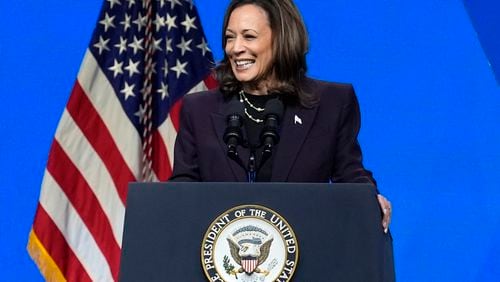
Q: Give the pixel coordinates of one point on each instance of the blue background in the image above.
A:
(424, 75)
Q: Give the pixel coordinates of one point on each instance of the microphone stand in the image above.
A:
(232, 153)
(251, 172)
(266, 154)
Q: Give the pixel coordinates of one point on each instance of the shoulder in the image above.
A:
(328, 85)
(203, 100)
(203, 96)
(331, 92)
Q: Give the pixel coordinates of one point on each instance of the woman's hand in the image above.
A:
(386, 207)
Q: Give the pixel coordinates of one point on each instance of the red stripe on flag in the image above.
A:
(93, 127)
(79, 193)
(55, 244)
(175, 113)
(161, 162)
(210, 81)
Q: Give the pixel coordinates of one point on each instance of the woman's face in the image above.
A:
(249, 43)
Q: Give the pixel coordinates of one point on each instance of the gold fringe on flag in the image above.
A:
(43, 260)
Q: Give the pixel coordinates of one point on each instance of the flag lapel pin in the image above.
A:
(297, 120)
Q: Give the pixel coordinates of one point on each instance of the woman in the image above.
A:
(265, 44)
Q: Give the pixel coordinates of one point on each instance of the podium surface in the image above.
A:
(337, 227)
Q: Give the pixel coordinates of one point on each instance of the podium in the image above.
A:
(337, 228)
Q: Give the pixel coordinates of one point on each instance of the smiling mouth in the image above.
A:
(244, 64)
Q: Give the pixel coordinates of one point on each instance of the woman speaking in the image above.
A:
(268, 121)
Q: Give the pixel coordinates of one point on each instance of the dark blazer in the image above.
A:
(317, 144)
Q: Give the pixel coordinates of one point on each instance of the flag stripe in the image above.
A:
(168, 134)
(56, 246)
(85, 203)
(92, 125)
(161, 161)
(53, 199)
(81, 153)
(175, 112)
(102, 96)
(210, 81)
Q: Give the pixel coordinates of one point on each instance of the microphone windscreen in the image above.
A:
(274, 107)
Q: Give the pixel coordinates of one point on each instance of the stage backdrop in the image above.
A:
(430, 117)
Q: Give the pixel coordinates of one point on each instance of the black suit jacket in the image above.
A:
(317, 144)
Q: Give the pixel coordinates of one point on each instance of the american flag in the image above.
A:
(119, 126)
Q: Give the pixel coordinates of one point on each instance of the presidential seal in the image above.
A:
(249, 243)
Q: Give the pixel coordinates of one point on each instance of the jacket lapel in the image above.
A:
(219, 123)
(297, 122)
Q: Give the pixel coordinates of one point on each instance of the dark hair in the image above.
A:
(290, 46)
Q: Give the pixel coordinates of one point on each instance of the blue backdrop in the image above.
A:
(430, 117)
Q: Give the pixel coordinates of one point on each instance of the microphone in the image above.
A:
(269, 135)
(233, 135)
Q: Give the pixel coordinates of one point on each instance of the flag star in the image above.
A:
(126, 22)
(168, 46)
(188, 23)
(165, 69)
(130, 3)
(204, 46)
(102, 45)
(156, 44)
(163, 91)
(128, 91)
(141, 21)
(173, 2)
(180, 68)
(159, 22)
(136, 45)
(112, 2)
(170, 22)
(132, 67)
(107, 22)
(122, 45)
(184, 45)
(140, 113)
(116, 68)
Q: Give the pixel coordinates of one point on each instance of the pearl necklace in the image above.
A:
(244, 98)
(257, 120)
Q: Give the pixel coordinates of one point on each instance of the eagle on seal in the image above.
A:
(250, 254)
